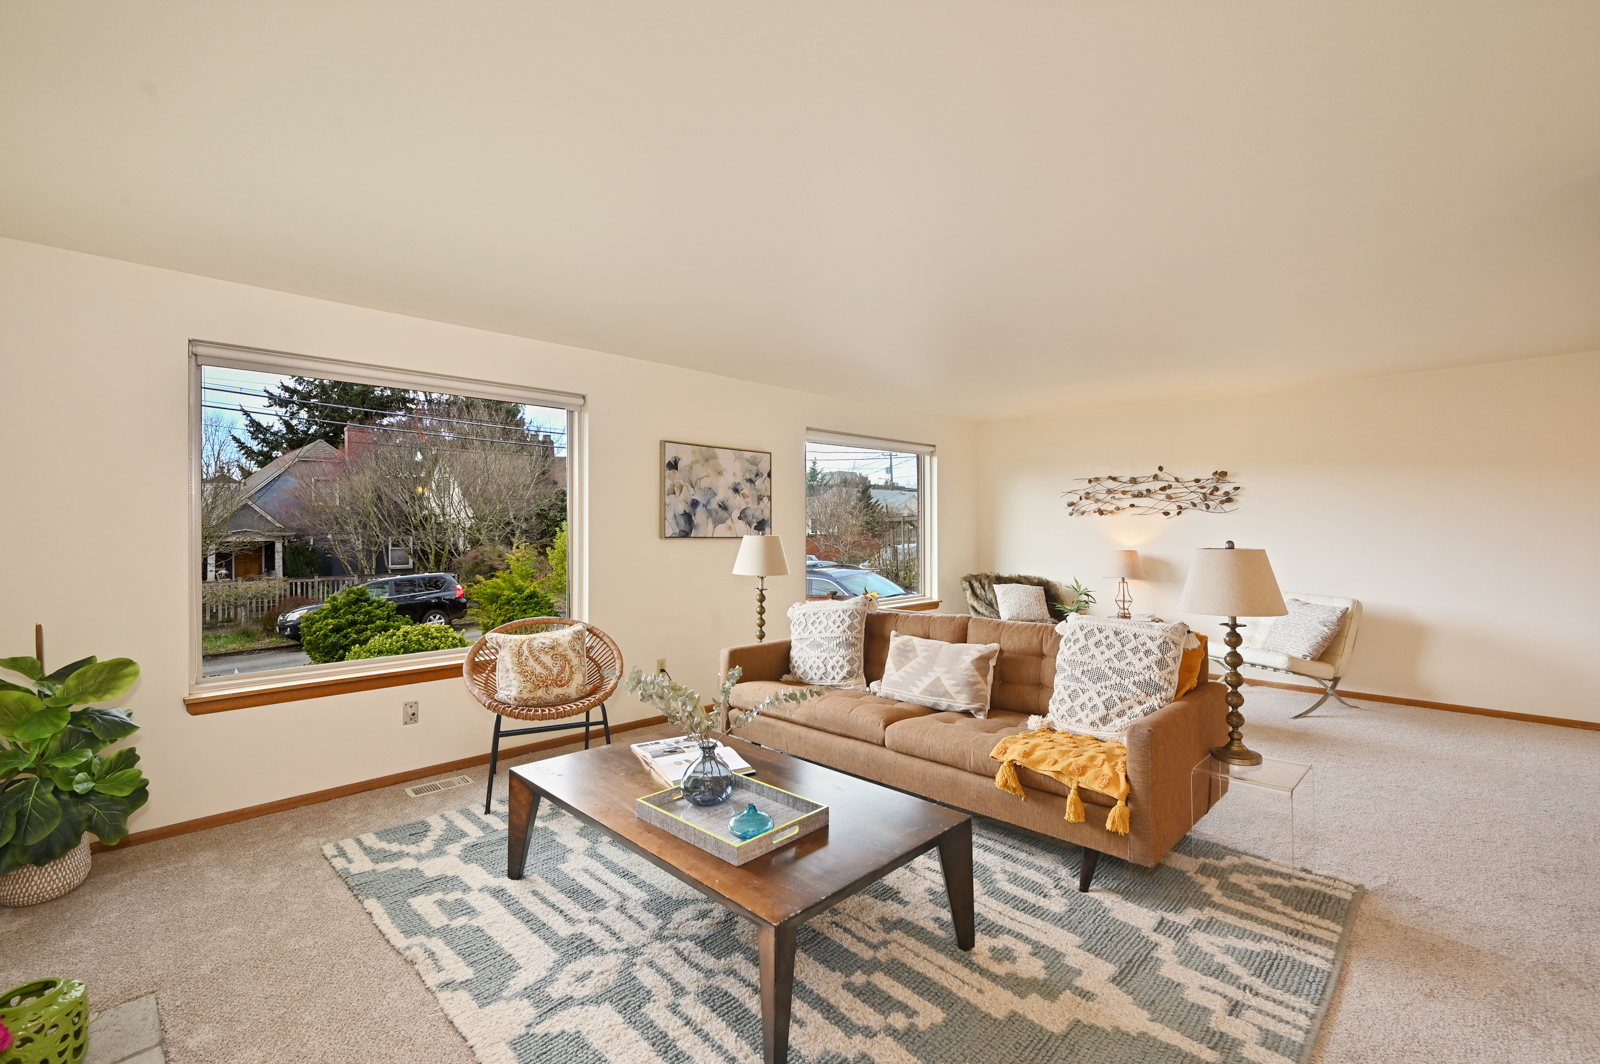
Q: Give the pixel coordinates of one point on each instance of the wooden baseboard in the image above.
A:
(1448, 707)
(234, 816)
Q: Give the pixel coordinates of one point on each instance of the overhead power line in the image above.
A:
(368, 409)
(399, 428)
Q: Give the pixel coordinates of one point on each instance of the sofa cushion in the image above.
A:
(850, 713)
(963, 741)
(826, 640)
(946, 627)
(1025, 674)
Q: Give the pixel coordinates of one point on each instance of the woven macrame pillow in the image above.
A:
(1021, 602)
(955, 677)
(1110, 673)
(828, 641)
(1307, 630)
(546, 669)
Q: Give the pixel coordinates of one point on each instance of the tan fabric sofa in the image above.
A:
(945, 756)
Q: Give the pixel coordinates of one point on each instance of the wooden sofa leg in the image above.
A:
(1086, 869)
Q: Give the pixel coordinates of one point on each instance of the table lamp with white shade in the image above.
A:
(1233, 583)
(1125, 566)
(761, 557)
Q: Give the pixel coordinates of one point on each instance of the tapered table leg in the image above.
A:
(777, 989)
(955, 857)
(524, 809)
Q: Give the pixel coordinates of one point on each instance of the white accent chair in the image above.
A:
(1327, 670)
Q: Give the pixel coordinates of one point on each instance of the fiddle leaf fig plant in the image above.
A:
(54, 784)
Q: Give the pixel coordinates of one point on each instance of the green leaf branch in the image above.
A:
(684, 707)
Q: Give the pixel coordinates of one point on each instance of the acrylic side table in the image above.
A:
(1271, 810)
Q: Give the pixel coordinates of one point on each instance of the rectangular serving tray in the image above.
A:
(707, 826)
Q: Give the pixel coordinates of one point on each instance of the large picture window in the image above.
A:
(867, 504)
(345, 520)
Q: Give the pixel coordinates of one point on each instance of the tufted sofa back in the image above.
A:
(1024, 675)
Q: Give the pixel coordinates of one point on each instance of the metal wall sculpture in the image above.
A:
(1159, 493)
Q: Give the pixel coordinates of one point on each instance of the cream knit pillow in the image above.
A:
(1307, 631)
(1111, 672)
(1021, 602)
(828, 641)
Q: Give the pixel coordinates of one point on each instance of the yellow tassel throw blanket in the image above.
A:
(1076, 760)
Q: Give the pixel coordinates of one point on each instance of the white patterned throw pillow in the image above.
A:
(1111, 672)
(955, 677)
(1307, 631)
(1021, 602)
(828, 642)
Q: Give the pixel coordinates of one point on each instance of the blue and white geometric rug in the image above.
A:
(597, 956)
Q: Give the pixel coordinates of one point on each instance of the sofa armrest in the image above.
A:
(1163, 749)
(760, 661)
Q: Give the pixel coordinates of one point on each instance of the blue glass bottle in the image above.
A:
(750, 823)
(709, 781)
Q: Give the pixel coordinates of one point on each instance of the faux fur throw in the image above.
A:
(980, 593)
(1072, 759)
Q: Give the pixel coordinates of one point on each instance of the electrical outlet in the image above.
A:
(661, 664)
(408, 712)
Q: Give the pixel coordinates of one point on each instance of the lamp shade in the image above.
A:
(761, 556)
(1232, 582)
(1124, 564)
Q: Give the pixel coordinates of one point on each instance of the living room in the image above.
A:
(1345, 258)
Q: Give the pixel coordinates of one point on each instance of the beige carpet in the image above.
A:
(1479, 938)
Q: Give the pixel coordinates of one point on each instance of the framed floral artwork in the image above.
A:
(714, 492)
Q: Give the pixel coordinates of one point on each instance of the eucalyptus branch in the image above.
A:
(684, 707)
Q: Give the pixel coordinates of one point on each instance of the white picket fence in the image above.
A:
(238, 611)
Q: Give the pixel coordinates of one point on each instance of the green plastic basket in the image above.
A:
(49, 1022)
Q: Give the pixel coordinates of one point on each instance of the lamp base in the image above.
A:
(1236, 753)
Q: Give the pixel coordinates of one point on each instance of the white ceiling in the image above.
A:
(986, 210)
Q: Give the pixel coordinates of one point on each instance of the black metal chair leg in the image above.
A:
(586, 727)
(605, 722)
(494, 760)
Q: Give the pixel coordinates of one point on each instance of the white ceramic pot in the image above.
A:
(32, 884)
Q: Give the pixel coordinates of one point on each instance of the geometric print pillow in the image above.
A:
(946, 676)
(1110, 673)
(828, 642)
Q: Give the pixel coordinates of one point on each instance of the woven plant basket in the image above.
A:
(32, 884)
(49, 1021)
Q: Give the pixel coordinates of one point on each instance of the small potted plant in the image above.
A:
(55, 788)
(709, 781)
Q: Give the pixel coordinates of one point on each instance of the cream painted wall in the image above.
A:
(1461, 506)
(95, 537)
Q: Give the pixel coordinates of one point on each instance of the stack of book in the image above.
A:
(668, 759)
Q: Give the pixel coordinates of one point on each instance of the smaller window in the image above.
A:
(399, 557)
(380, 588)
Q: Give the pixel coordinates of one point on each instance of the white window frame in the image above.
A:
(231, 356)
(927, 500)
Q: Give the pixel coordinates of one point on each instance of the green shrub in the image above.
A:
(347, 620)
(554, 582)
(300, 560)
(413, 640)
(512, 593)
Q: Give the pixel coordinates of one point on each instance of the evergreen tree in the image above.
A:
(309, 409)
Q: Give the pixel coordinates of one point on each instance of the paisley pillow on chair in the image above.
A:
(546, 669)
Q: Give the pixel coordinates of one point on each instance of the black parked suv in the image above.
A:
(427, 598)
(838, 580)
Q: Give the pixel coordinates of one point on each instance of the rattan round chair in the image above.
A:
(605, 671)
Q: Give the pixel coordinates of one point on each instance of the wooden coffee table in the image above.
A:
(872, 830)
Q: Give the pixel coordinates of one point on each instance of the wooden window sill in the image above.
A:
(271, 692)
(912, 605)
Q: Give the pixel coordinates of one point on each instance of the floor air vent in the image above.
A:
(438, 785)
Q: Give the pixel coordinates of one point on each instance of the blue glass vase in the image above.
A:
(709, 781)
(750, 823)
